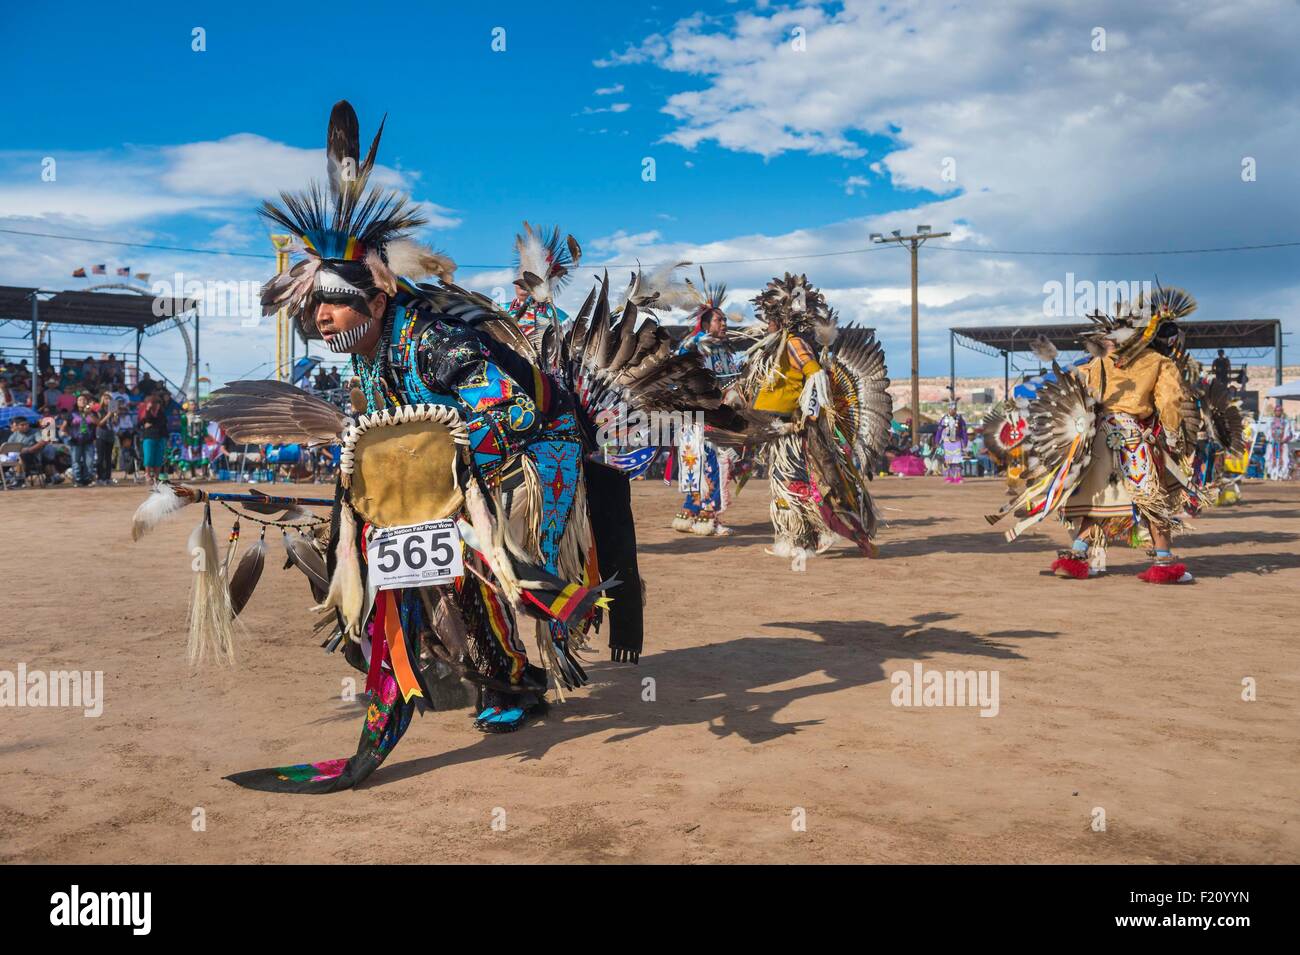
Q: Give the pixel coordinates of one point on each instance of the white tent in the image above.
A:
(1290, 389)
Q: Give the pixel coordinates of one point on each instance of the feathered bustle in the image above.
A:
(660, 290)
(1044, 349)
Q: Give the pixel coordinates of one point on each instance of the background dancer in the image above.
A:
(836, 411)
(1133, 399)
(952, 438)
(707, 470)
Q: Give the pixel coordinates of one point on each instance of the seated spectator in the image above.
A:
(38, 454)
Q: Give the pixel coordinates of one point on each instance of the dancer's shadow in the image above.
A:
(1225, 538)
(976, 542)
(889, 522)
(1225, 565)
(682, 543)
(1290, 515)
(723, 686)
(346, 711)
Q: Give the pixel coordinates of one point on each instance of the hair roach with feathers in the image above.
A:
(792, 301)
(1135, 326)
(543, 261)
(710, 297)
(347, 222)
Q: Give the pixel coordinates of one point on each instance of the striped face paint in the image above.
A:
(345, 341)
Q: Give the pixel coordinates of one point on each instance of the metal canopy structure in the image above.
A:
(90, 312)
(93, 312)
(1243, 338)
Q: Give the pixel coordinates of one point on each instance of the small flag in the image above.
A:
(99, 270)
(79, 274)
(124, 272)
(143, 276)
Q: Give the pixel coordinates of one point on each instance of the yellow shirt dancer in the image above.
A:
(1108, 444)
(829, 387)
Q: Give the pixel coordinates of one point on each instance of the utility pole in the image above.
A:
(915, 241)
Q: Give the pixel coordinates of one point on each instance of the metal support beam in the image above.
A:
(952, 363)
(1006, 375)
(1277, 352)
(36, 354)
(197, 365)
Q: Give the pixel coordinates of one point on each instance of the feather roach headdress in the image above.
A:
(711, 296)
(354, 237)
(792, 302)
(543, 262)
(1136, 325)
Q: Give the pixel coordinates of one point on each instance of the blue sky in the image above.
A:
(762, 149)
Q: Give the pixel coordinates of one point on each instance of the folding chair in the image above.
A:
(11, 447)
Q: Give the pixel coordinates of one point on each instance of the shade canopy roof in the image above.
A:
(1228, 334)
(108, 311)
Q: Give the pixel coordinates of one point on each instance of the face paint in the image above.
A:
(346, 340)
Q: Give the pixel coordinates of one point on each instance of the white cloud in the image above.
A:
(140, 195)
(611, 108)
(610, 90)
(1030, 138)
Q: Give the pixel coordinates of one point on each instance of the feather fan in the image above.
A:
(274, 412)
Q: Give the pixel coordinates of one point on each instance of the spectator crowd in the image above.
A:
(88, 423)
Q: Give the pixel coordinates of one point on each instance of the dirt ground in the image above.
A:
(771, 736)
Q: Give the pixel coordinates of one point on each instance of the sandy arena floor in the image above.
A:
(772, 689)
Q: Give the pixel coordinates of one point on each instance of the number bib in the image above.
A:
(418, 555)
